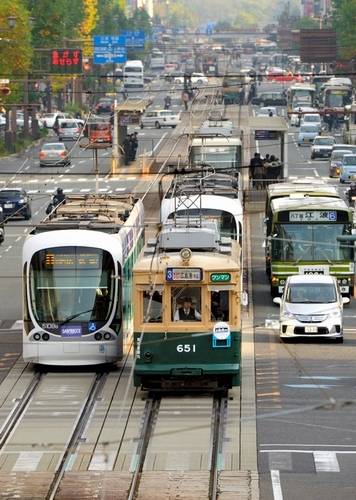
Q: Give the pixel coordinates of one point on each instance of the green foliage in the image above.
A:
(344, 24)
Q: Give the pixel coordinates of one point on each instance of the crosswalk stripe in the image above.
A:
(326, 461)
(276, 485)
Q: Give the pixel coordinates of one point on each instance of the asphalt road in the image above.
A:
(306, 391)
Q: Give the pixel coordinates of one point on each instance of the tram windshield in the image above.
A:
(218, 157)
(72, 283)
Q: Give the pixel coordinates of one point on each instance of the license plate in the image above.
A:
(8, 205)
(311, 329)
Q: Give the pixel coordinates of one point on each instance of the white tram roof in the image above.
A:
(106, 213)
(308, 203)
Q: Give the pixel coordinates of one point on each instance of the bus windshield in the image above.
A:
(310, 242)
(72, 283)
(338, 98)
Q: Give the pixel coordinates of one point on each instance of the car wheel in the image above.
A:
(157, 125)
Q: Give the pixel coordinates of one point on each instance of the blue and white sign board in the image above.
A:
(134, 39)
(109, 49)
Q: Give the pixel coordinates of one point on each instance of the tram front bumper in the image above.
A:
(71, 353)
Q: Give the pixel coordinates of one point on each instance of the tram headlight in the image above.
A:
(37, 336)
(107, 336)
(98, 336)
(344, 281)
(45, 336)
(148, 355)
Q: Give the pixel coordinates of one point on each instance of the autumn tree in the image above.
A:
(344, 22)
(15, 45)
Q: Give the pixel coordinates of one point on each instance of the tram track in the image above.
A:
(218, 433)
(78, 430)
(19, 409)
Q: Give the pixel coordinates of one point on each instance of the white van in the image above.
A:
(160, 118)
(133, 74)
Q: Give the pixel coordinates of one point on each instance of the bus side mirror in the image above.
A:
(345, 300)
(277, 300)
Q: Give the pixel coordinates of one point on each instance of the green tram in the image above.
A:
(187, 319)
(302, 237)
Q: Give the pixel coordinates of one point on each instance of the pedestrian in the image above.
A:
(56, 125)
(126, 148)
(133, 146)
(255, 168)
(185, 99)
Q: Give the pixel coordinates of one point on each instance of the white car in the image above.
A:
(160, 118)
(48, 119)
(300, 110)
(70, 129)
(267, 111)
(311, 118)
(322, 146)
(311, 307)
(196, 78)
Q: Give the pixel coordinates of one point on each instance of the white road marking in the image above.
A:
(33, 181)
(82, 161)
(8, 248)
(32, 191)
(82, 179)
(158, 143)
(16, 181)
(49, 190)
(316, 172)
(67, 190)
(85, 190)
(120, 189)
(310, 386)
(342, 452)
(326, 461)
(103, 461)
(276, 485)
(27, 461)
(18, 325)
(103, 190)
(308, 445)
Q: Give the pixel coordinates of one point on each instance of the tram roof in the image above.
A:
(308, 203)
(102, 212)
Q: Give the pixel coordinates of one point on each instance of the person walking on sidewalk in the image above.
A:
(133, 146)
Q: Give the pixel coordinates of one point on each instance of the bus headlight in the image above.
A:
(274, 280)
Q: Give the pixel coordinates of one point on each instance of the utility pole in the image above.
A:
(115, 142)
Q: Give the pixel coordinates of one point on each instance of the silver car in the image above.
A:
(307, 134)
(311, 307)
(69, 129)
(54, 154)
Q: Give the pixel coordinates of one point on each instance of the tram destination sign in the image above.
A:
(313, 216)
(184, 274)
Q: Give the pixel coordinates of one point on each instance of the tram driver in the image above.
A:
(187, 312)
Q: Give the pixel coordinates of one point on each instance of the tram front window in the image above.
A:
(186, 303)
(72, 283)
(152, 306)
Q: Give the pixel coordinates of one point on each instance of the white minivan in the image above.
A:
(160, 118)
(311, 307)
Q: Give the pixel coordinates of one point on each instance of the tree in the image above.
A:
(344, 24)
(15, 45)
(112, 18)
(87, 27)
(54, 21)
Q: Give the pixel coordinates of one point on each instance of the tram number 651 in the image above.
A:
(186, 347)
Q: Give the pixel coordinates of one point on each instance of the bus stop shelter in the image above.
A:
(272, 128)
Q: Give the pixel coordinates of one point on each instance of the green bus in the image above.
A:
(302, 239)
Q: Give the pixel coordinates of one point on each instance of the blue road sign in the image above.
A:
(109, 49)
(134, 39)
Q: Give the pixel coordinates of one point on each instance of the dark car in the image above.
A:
(15, 203)
(2, 225)
(105, 105)
(270, 99)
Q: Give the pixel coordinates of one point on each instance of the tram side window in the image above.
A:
(219, 305)
(186, 303)
(152, 307)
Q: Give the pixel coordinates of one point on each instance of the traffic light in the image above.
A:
(5, 90)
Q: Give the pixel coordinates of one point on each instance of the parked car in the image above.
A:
(322, 146)
(307, 134)
(196, 78)
(336, 161)
(69, 129)
(348, 168)
(311, 307)
(270, 99)
(267, 111)
(160, 118)
(15, 203)
(54, 154)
